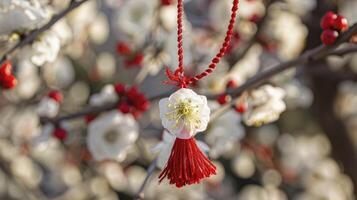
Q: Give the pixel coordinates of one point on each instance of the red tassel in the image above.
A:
(187, 164)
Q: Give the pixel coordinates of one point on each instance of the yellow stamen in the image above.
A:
(186, 111)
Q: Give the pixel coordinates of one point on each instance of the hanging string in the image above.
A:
(178, 77)
(223, 50)
(180, 37)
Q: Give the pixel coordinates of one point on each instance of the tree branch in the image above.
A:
(346, 50)
(315, 54)
(34, 34)
(140, 194)
(325, 91)
(94, 110)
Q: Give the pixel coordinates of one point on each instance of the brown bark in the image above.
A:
(343, 149)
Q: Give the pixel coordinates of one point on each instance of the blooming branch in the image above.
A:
(34, 34)
(315, 54)
(92, 110)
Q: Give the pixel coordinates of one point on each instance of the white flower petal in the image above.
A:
(111, 135)
(184, 113)
(47, 107)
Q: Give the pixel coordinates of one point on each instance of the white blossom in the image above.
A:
(27, 170)
(111, 135)
(266, 104)
(106, 95)
(25, 126)
(63, 31)
(303, 152)
(135, 18)
(106, 65)
(164, 148)
(219, 11)
(46, 48)
(168, 15)
(297, 95)
(268, 192)
(224, 133)
(100, 23)
(154, 61)
(301, 7)
(346, 104)
(20, 15)
(247, 66)
(47, 107)
(184, 113)
(243, 164)
(82, 21)
(288, 29)
(60, 73)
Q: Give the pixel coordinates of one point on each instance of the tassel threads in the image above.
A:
(187, 164)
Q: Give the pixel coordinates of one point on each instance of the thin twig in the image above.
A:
(345, 50)
(34, 34)
(94, 110)
(140, 194)
(315, 54)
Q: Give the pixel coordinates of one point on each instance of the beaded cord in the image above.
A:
(178, 77)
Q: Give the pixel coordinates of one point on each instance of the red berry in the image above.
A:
(5, 69)
(241, 107)
(56, 95)
(136, 60)
(90, 117)
(341, 23)
(132, 93)
(232, 84)
(167, 2)
(328, 20)
(124, 108)
(60, 133)
(254, 18)
(143, 106)
(119, 88)
(123, 48)
(329, 37)
(8, 82)
(136, 114)
(223, 99)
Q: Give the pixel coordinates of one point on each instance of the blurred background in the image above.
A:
(308, 153)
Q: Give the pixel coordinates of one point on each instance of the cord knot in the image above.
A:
(176, 78)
